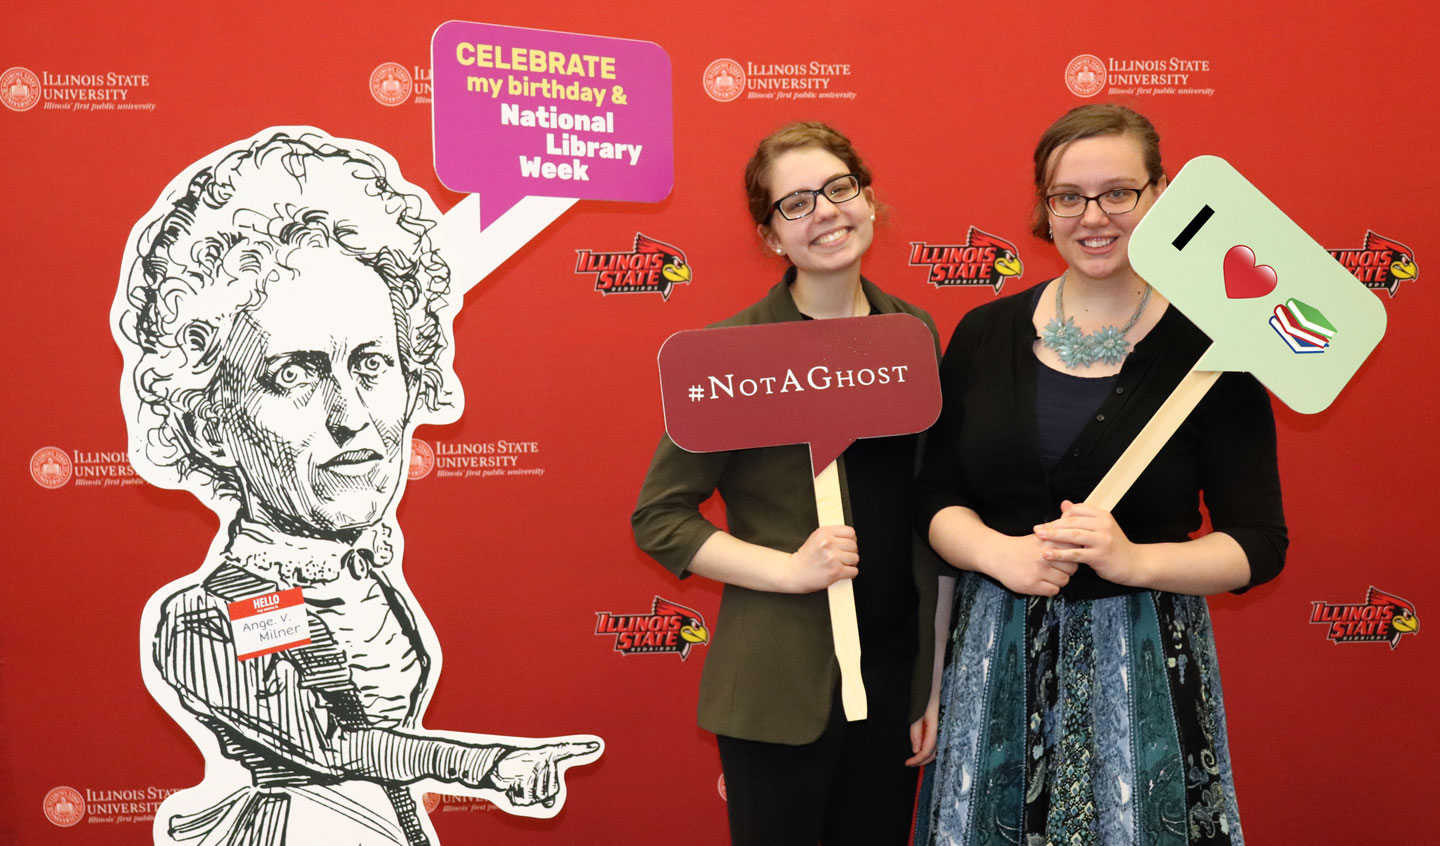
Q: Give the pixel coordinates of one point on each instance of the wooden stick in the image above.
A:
(1156, 433)
(844, 628)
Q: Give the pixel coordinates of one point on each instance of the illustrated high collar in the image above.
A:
(292, 560)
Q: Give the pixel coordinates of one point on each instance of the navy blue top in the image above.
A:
(1064, 403)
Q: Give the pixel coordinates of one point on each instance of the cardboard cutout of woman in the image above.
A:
(285, 324)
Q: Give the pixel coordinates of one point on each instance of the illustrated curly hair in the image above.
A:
(209, 257)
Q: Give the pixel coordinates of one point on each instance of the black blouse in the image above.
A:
(984, 451)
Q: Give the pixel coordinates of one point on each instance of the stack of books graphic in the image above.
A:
(1302, 326)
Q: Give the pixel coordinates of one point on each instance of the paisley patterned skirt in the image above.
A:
(1095, 721)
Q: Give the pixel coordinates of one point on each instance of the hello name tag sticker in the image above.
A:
(270, 622)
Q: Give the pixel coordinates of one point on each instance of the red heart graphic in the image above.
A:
(1243, 278)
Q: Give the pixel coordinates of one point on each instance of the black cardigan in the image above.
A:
(984, 452)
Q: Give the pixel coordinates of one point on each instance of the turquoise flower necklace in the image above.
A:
(1077, 349)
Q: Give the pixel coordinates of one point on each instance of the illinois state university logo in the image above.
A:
(390, 84)
(653, 267)
(64, 806)
(51, 467)
(19, 89)
(1382, 618)
(724, 80)
(1085, 75)
(983, 259)
(668, 628)
(422, 459)
(1382, 263)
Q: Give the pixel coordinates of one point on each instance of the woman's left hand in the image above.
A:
(1095, 540)
(924, 732)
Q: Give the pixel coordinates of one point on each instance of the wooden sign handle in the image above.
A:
(844, 628)
(1147, 444)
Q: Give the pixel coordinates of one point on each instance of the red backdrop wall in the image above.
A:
(1329, 110)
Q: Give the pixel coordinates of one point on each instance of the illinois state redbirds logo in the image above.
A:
(653, 267)
(1382, 263)
(669, 628)
(983, 259)
(1381, 618)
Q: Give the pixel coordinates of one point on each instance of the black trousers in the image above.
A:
(849, 787)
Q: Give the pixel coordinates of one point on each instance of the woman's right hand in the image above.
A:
(827, 556)
(1019, 564)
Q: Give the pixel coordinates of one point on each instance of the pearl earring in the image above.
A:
(779, 251)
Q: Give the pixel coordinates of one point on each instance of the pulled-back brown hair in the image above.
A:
(796, 136)
(1089, 121)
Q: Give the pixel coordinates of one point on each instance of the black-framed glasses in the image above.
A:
(800, 204)
(1114, 201)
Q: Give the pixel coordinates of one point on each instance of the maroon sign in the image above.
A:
(821, 382)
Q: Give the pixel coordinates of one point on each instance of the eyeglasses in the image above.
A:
(800, 204)
(1114, 201)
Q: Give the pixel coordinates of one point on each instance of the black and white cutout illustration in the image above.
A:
(285, 316)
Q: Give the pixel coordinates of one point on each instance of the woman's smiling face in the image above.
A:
(1095, 244)
(312, 398)
(832, 237)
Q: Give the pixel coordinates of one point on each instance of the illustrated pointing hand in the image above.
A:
(530, 776)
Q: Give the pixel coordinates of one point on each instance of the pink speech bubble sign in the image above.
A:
(521, 112)
(821, 382)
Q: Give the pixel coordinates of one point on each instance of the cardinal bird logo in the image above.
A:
(1007, 258)
(692, 628)
(1382, 618)
(669, 628)
(1383, 263)
(674, 268)
(983, 259)
(653, 267)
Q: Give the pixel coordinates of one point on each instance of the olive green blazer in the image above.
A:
(771, 671)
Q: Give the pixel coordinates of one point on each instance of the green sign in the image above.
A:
(1273, 301)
